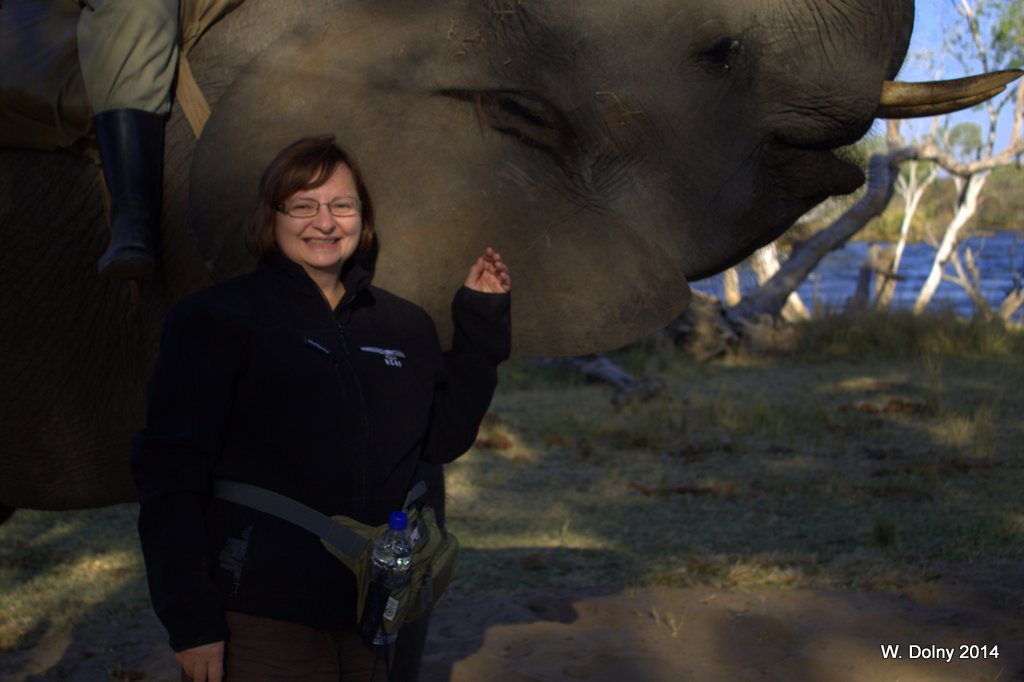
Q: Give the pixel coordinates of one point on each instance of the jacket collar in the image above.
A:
(355, 277)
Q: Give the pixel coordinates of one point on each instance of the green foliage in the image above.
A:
(997, 22)
(1001, 206)
(1007, 35)
(1002, 203)
(965, 139)
(882, 228)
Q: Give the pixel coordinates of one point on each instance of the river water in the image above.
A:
(999, 254)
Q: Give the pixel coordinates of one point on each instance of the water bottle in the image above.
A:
(390, 569)
(392, 555)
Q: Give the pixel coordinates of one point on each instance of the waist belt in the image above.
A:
(327, 529)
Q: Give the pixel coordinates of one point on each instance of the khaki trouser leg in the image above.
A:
(128, 51)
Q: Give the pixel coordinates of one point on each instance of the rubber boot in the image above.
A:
(131, 145)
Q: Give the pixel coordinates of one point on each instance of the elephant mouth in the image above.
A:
(815, 169)
(809, 173)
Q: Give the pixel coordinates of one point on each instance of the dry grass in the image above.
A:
(835, 469)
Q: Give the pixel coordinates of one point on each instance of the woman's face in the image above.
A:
(322, 243)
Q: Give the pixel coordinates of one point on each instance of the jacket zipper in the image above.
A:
(364, 460)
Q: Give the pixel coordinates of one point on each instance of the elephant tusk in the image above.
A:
(934, 98)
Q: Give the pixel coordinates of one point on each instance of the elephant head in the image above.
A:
(611, 150)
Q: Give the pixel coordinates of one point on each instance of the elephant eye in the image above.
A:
(720, 57)
(525, 116)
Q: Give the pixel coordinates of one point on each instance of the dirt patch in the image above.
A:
(673, 634)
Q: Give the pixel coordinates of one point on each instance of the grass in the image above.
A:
(58, 567)
(902, 335)
(851, 464)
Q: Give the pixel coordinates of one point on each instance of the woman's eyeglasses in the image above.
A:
(309, 208)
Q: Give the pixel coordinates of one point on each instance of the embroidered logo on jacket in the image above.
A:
(392, 358)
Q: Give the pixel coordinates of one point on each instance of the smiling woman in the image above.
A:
(304, 379)
(322, 235)
(311, 211)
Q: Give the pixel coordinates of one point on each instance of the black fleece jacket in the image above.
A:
(259, 381)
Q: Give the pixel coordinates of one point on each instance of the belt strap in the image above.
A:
(324, 527)
(276, 504)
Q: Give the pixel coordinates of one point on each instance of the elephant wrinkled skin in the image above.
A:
(610, 150)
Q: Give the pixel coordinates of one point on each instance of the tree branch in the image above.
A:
(1011, 304)
(969, 279)
(932, 152)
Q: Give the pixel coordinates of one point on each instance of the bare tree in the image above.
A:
(765, 263)
(911, 186)
(967, 204)
(971, 174)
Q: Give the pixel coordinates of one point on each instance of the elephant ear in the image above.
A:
(444, 182)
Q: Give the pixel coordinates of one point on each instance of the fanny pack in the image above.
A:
(434, 551)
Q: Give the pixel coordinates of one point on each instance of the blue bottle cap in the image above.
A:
(398, 521)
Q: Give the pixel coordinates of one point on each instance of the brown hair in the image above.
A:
(306, 164)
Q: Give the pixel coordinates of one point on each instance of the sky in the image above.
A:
(932, 19)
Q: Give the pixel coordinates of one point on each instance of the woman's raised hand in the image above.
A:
(489, 274)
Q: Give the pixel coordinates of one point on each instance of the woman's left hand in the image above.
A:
(489, 274)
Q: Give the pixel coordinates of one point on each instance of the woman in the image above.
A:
(303, 378)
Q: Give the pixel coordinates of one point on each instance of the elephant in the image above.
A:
(612, 150)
